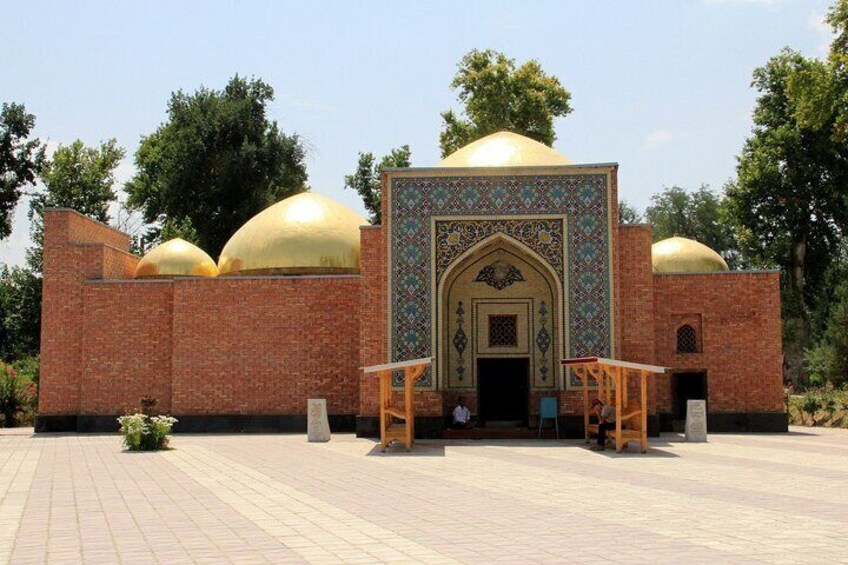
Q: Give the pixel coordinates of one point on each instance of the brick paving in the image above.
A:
(278, 499)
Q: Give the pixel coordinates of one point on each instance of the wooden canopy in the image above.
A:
(398, 422)
(611, 376)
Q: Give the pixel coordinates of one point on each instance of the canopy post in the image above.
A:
(396, 422)
(611, 376)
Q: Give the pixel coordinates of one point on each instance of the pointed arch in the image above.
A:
(498, 242)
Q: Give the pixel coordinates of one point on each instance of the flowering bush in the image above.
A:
(16, 395)
(146, 433)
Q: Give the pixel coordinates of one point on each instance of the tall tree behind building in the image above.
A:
(218, 160)
(789, 201)
(695, 215)
(498, 96)
(366, 179)
(21, 159)
(77, 177)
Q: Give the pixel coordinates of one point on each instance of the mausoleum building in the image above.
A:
(498, 263)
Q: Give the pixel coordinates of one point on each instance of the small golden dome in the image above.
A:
(301, 235)
(176, 258)
(504, 149)
(681, 255)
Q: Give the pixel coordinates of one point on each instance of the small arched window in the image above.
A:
(687, 339)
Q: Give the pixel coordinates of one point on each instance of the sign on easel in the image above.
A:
(696, 420)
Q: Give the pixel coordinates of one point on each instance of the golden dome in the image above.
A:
(176, 258)
(504, 149)
(681, 255)
(301, 235)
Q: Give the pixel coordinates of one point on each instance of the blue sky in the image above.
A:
(661, 87)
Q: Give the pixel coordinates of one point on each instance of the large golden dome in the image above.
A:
(681, 255)
(301, 235)
(504, 149)
(175, 258)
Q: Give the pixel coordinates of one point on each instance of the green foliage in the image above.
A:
(170, 228)
(788, 205)
(628, 214)
(697, 215)
(28, 368)
(218, 161)
(17, 395)
(366, 179)
(837, 17)
(20, 160)
(76, 177)
(20, 313)
(498, 96)
(145, 433)
(827, 362)
(822, 406)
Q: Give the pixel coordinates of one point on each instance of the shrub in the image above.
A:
(146, 433)
(17, 394)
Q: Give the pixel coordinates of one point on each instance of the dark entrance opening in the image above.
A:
(504, 390)
(686, 386)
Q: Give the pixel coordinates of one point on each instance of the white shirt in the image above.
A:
(461, 414)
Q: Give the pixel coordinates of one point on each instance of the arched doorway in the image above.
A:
(500, 330)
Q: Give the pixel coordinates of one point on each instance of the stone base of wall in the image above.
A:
(571, 427)
(736, 422)
(426, 427)
(433, 427)
(198, 423)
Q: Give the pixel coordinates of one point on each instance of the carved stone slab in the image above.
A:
(696, 420)
(317, 426)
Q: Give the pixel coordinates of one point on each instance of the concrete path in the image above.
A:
(278, 499)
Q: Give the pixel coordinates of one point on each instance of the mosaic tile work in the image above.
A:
(499, 275)
(414, 201)
(454, 237)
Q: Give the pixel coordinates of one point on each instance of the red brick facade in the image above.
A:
(264, 345)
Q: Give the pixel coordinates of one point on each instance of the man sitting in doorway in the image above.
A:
(461, 415)
(606, 421)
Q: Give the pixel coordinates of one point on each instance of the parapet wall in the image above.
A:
(204, 348)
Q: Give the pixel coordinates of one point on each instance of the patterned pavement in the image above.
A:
(278, 499)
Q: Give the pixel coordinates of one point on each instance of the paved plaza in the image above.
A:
(279, 499)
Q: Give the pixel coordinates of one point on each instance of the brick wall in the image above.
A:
(741, 338)
(265, 345)
(373, 304)
(201, 346)
(76, 248)
(126, 346)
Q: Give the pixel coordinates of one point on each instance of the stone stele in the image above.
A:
(318, 426)
(696, 420)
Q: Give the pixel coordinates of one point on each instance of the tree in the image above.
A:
(827, 362)
(218, 161)
(628, 214)
(837, 17)
(789, 204)
(697, 215)
(76, 177)
(20, 313)
(498, 96)
(20, 160)
(366, 179)
(172, 229)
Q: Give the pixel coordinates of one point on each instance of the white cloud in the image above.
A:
(817, 24)
(658, 138)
